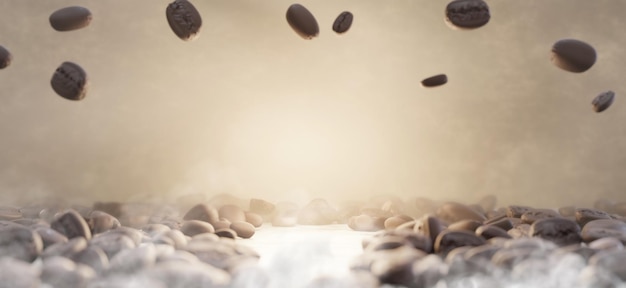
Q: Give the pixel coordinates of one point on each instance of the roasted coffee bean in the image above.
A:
(584, 215)
(261, 207)
(194, 227)
(184, 19)
(429, 226)
(601, 228)
(453, 212)
(70, 18)
(50, 236)
(434, 81)
(70, 81)
(20, 242)
(491, 231)
(503, 223)
(18, 274)
(395, 266)
(59, 271)
(226, 232)
(255, 219)
(93, 257)
(603, 101)
(243, 229)
(450, 239)
(573, 55)
(203, 212)
(115, 209)
(529, 217)
(343, 22)
(302, 21)
(467, 14)
(606, 243)
(467, 225)
(395, 221)
(66, 249)
(5, 58)
(101, 221)
(112, 242)
(515, 211)
(561, 231)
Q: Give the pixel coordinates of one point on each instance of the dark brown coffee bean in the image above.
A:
(5, 57)
(573, 55)
(584, 215)
(603, 101)
(70, 18)
(434, 81)
(202, 212)
(467, 14)
(429, 226)
(529, 217)
(302, 21)
(561, 231)
(343, 22)
(50, 236)
(71, 224)
(450, 239)
(70, 81)
(184, 19)
(504, 223)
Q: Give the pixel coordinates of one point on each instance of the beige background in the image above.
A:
(250, 108)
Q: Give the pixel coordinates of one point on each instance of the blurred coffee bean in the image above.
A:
(114, 209)
(606, 243)
(20, 242)
(491, 231)
(601, 228)
(611, 261)
(65, 249)
(619, 209)
(395, 266)
(395, 221)
(50, 236)
(529, 217)
(428, 271)
(488, 202)
(226, 232)
(561, 231)
(450, 239)
(8, 212)
(366, 223)
(516, 211)
(567, 211)
(93, 257)
(221, 224)
(255, 219)
(175, 238)
(409, 225)
(72, 225)
(198, 275)
(59, 271)
(194, 227)
(503, 223)
(112, 242)
(261, 207)
(467, 225)
(429, 226)
(131, 261)
(202, 212)
(584, 215)
(15, 273)
(453, 212)
(243, 229)
(101, 221)
(155, 228)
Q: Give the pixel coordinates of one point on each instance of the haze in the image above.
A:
(252, 109)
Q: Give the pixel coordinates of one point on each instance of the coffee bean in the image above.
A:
(450, 239)
(584, 215)
(395, 221)
(302, 21)
(93, 257)
(243, 229)
(429, 226)
(202, 212)
(567, 211)
(112, 242)
(50, 236)
(59, 271)
(516, 211)
(226, 232)
(20, 242)
(529, 217)
(132, 260)
(573, 55)
(504, 223)
(5, 57)
(395, 266)
(601, 228)
(261, 207)
(435, 81)
(175, 238)
(561, 231)
(115, 209)
(343, 22)
(255, 219)
(70, 81)
(153, 229)
(491, 231)
(467, 225)
(606, 243)
(366, 223)
(184, 19)
(194, 227)
(70, 18)
(18, 274)
(101, 221)
(452, 212)
(467, 14)
(66, 249)
(603, 101)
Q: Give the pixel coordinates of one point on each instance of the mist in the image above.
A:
(250, 108)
